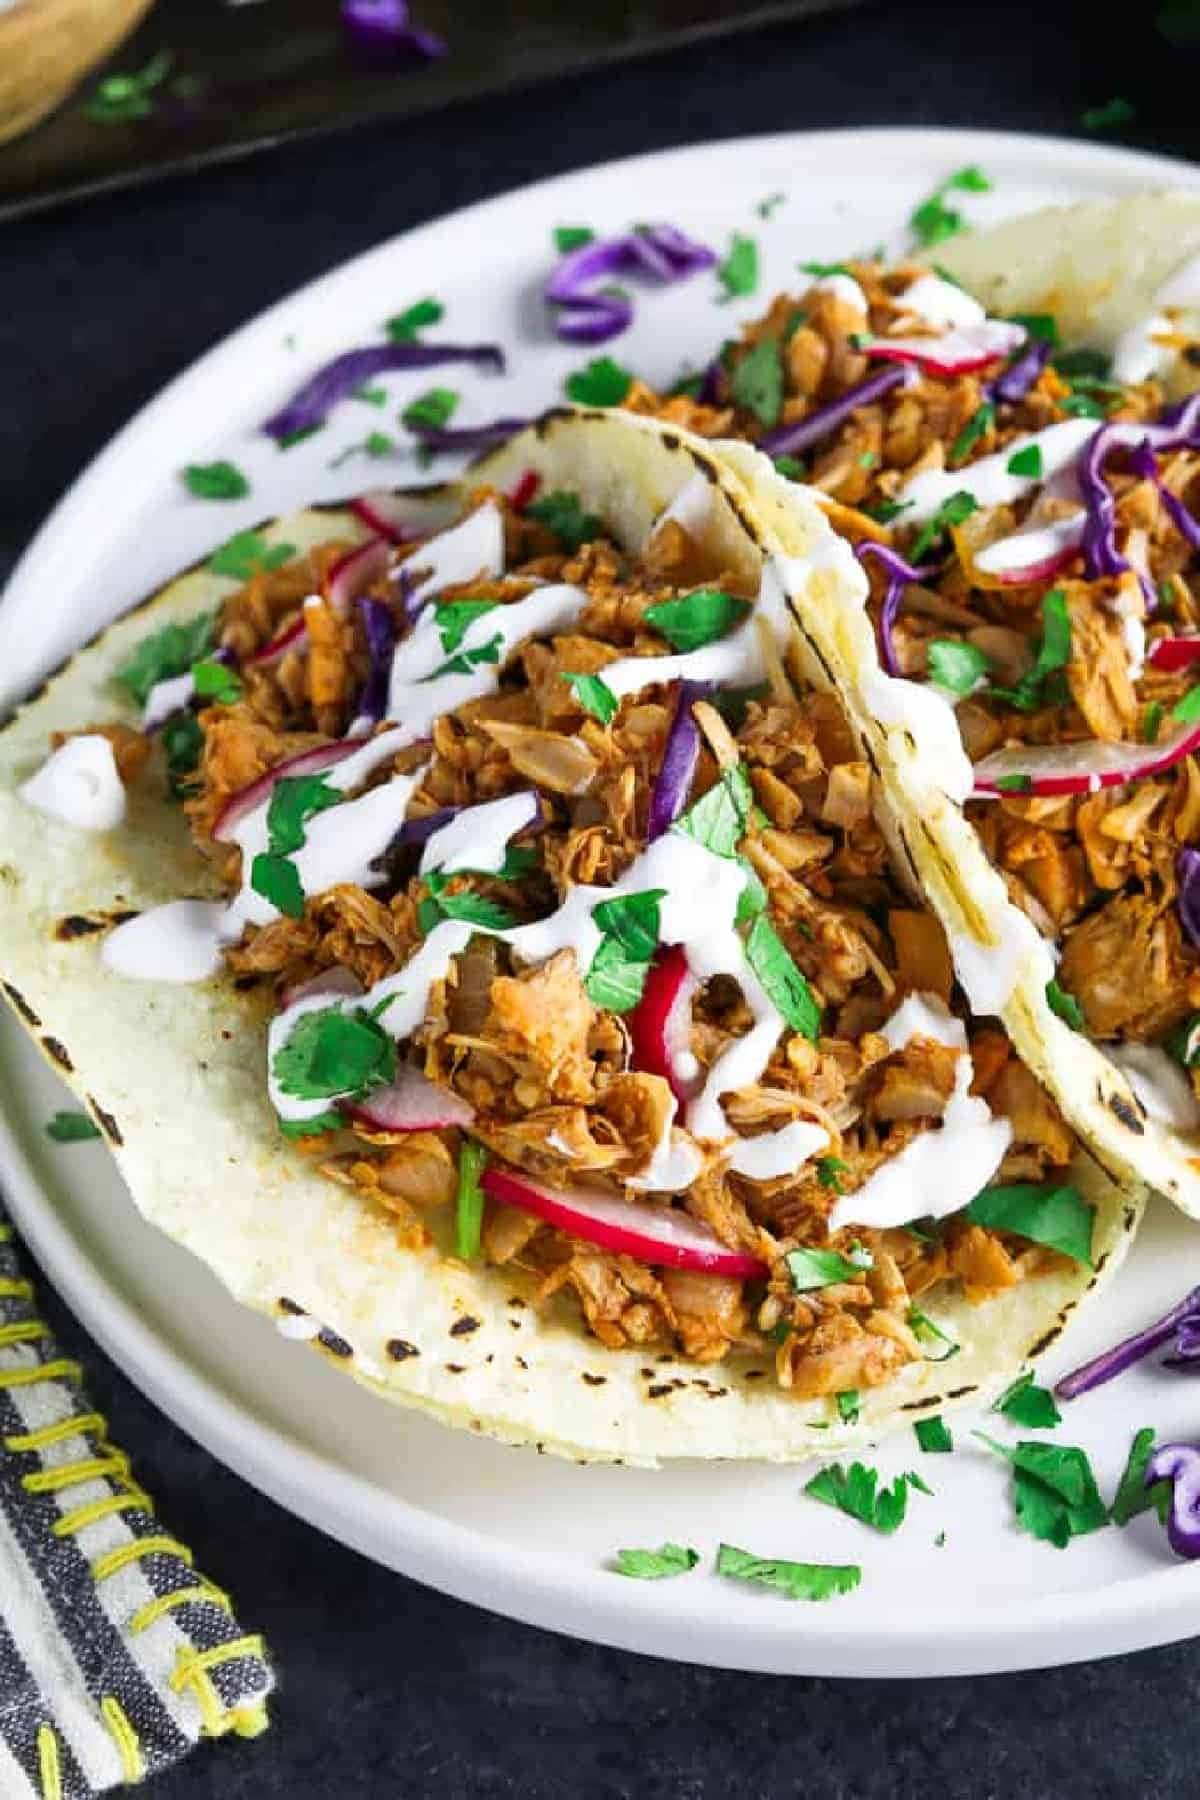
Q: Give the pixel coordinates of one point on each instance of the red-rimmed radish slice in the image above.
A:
(660, 1025)
(1036, 554)
(353, 573)
(308, 762)
(525, 490)
(1171, 653)
(292, 636)
(384, 514)
(654, 1234)
(955, 352)
(1057, 769)
(329, 981)
(410, 1103)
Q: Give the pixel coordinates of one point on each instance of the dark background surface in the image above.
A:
(387, 1689)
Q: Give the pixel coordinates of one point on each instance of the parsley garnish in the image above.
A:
(294, 800)
(1109, 117)
(1056, 1216)
(933, 220)
(453, 619)
(217, 682)
(1026, 1404)
(330, 1053)
(953, 510)
(848, 1405)
(1027, 463)
(71, 1128)
(830, 1170)
(799, 1581)
(820, 271)
(1054, 653)
(930, 1332)
(1054, 1490)
(957, 667)
(430, 410)
(615, 981)
(738, 272)
(977, 426)
(246, 554)
(182, 741)
(164, 655)
(277, 879)
(1042, 326)
(561, 513)
(572, 237)
(466, 660)
(405, 326)
(756, 382)
(215, 481)
(1133, 1496)
(468, 1205)
(118, 98)
(1065, 1005)
(618, 970)
(696, 619)
(782, 982)
(1187, 710)
(602, 382)
(794, 468)
(718, 819)
(594, 696)
(812, 1269)
(933, 1435)
(856, 1491)
(656, 1565)
(466, 907)
(884, 511)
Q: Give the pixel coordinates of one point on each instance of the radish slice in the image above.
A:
(329, 981)
(956, 352)
(322, 756)
(654, 1234)
(525, 490)
(383, 513)
(1171, 653)
(1032, 555)
(293, 635)
(355, 572)
(660, 1025)
(410, 1103)
(1054, 769)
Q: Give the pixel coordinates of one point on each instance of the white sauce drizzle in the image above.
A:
(924, 1015)
(846, 289)
(167, 697)
(942, 765)
(691, 509)
(673, 1165)
(180, 941)
(989, 480)
(1159, 1083)
(734, 661)
(1025, 549)
(775, 1153)
(472, 550)
(1137, 355)
(79, 784)
(941, 303)
(479, 837)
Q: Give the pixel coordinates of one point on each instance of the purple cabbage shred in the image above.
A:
(1013, 383)
(383, 29)
(440, 439)
(380, 630)
(790, 440)
(1187, 874)
(900, 574)
(680, 756)
(310, 405)
(1180, 1465)
(1130, 1350)
(591, 315)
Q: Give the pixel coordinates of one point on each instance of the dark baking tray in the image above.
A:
(256, 74)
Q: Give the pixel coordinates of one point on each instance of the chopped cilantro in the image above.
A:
(1027, 463)
(799, 1581)
(305, 1128)
(1082, 406)
(373, 396)
(562, 513)
(884, 511)
(594, 696)
(430, 410)
(330, 1052)
(1133, 1496)
(957, 667)
(572, 237)
(933, 221)
(1065, 1005)
(277, 879)
(602, 382)
(466, 660)
(820, 271)
(849, 1406)
(118, 98)
(1015, 784)
(468, 908)
(376, 443)
(182, 741)
(1026, 1404)
(454, 618)
(217, 682)
(830, 1170)
(1152, 721)
(633, 920)
(1184, 1042)
(1042, 326)
(793, 468)
(939, 1542)
(687, 384)
(1057, 1216)
(215, 481)
(656, 1565)
(294, 800)
(1187, 710)
(782, 982)
(404, 327)
(1054, 1490)
(930, 1332)
(953, 510)
(696, 619)
(1084, 366)
(812, 1269)
(246, 554)
(615, 980)
(868, 459)
(718, 819)
(1109, 117)
(738, 272)
(71, 1128)
(756, 382)
(1054, 653)
(766, 207)
(468, 1204)
(856, 1491)
(933, 1435)
(165, 654)
(976, 427)
(290, 438)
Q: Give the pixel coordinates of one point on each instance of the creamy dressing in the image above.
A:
(928, 718)
(924, 1016)
(691, 509)
(180, 941)
(776, 1153)
(479, 837)
(674, 1164)
(1026, 549)
(846, 288)
(167, 697)
(79, 784)
(989, 480)
(472, 550)
(737, 660)
(1159, 1083)
(941, 303)
(1137, 355)
(988, 973)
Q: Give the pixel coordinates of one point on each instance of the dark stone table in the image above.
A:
(388, 1689)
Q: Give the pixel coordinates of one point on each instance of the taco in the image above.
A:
(1023, 643)
(488, 957)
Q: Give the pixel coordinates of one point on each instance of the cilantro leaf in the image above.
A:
(572, 237)
(1133, 1496)
(753, 898)
(468, 1204)
(756, 382)
(466, 660)
(373, 396)
(277, 879)
(305, 1128)
(216, 682)
(215, 481)
(792, 468)
(738, 271)
(246, 554)
(696, 619)
(615, 980)
(1054, 653)
(119, 98)
(933, 221)
(633, 920)
(1184, 1042)
(976, 427)
(820, 271)
(718, 819)
(1042, 326)
(1026, 462)
(848, 1405)
(430, 410)
(1056, 1216)
(764, 208)
(404, 327)
(1109, 117)
(1065, 1005)
(602, 382)
(294, 800)
(930, 1332)
(468, 908)
(954, 509)
(656, 1565)
(594, 696)
(330, 1052)
(856, 1491)
(799, 1581)
(182, 741)
(165, 654)
(933, 1435)
(1029, 1405)
(811, 1269)
(830, 1170)
(1187, 710)
(1054, 1491)
(957, 667)
(454, 617)
(562, 513)
(71, 1128)
(1152, 722)
(782, 982)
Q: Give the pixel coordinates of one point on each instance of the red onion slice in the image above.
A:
(1086, 768)
(330, 981)
(681, 753)
(355, 571)
(410, 1103)
(384, 514)
(291, 637)
(308, 762)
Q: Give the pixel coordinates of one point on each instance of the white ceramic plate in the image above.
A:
(525, 1535)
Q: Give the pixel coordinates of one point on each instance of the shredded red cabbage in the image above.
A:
(438, 439)
(709, 391)
(788, 440)
(309, 406)
(1178, 429)
(1122, 1356)
(383, 28)
(681, 753)
(1180, 1465)
(1013, 383)
(587, 315)
(380, 628)
(899, 574)
(1187, 873)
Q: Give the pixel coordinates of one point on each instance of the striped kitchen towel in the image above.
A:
(115, 1655)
